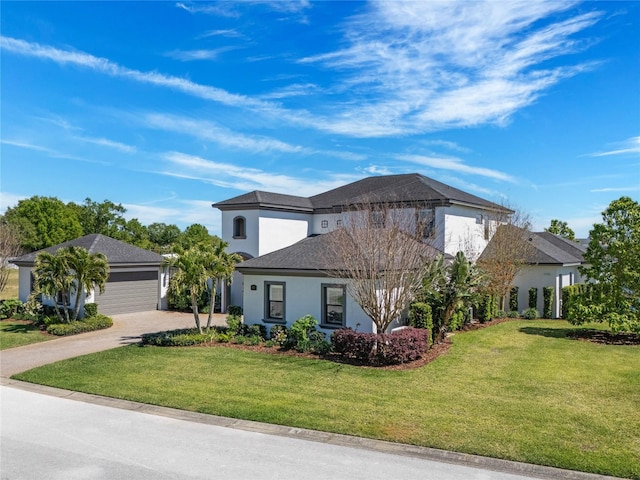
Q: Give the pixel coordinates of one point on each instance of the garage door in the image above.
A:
(127, 292)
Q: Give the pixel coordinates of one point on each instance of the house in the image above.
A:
(281, 236)
(552, 261)
(137, 280)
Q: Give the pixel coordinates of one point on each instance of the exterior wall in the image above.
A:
(303, 296)
(278, 230)
(24, 283)
(462, 232)
(249, 244)
(330, 218)
(540, 276)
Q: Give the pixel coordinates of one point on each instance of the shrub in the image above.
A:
(398, 347)
(513, 314)
(256, 330)
(299, 332)
(90, 309)
(533, 297)
(531, 314)
(180, 299)
(420, 316)
(279, 334)
(487, 308)
(33, 309)
(458, 319)
(235, 325)
(89, 324)
(235, 310)
(177, 338)
(513, 299)
(9, 307)
(547, 294)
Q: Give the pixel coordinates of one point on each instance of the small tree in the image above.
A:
(10, 247)
(381, 249)
(54, 279)
(89, 271)
(506, 254)
(220, 266)
(613, 260)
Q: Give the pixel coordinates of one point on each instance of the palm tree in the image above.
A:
(220, 266)
(192, 275)
(53, 278)
(89, 270)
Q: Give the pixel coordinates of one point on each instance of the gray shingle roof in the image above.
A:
(312, 254)
(117, 252)
(408, 188)
(549, 249)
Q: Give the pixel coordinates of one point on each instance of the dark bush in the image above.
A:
(420, 315)
(531, 314)
(533, 297)
(501, 314)
(88, 324)
(394, 348)
(9, 307)
(235, 325)
(235, 310)
(90, 309)
(513, 314)
(256, 330)
(487, 308)
(180, 299)
(547, 294)
(513, 299)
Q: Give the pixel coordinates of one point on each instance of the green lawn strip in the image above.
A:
(15, 333)
(519, 390)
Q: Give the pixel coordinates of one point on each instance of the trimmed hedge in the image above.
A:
(547, 294)
(533, 297)
(488, 308)
(184, 337)
(380, 349)
(513, 299)
(90, 309)
(88, 324)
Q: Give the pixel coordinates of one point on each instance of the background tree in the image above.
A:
(506, 254)
(10, 247)
(561, 228)
(163, 236)
(380, 248)
(89, 271)
(105, 218)
(44, 221)
(193, 235)
(613, 262)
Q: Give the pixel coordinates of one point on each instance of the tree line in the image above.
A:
(40, 222)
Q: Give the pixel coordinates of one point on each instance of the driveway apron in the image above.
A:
(126, 329)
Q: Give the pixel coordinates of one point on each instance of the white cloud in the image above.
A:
(50, 152)
(8, 199)
(629, 146)
(108, 143)
(191, 55)
(456, 165)
(635, 189)
(237, 177)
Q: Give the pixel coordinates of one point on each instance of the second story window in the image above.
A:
(239, 227)
(325, 224)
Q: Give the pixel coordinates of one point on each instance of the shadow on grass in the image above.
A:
(20, 328)
(548, 332)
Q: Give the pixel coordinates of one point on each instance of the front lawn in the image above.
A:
(519, 390)
(15, 333)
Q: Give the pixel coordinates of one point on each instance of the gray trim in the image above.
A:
(323, 306)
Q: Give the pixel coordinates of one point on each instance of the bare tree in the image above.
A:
(382, 249)
(508, 251)
(10, 247)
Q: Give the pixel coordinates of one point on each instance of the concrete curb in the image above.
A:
(475, 461)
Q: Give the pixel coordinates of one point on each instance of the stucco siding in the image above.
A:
(540, 276)
(277, 233)
(303, 296)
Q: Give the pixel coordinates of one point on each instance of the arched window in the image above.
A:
(239, 227)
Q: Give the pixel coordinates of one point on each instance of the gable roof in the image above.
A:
(548, 249)
(117, 252)
(311, 254)
(410, 188)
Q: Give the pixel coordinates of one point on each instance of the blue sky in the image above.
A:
(168, 107)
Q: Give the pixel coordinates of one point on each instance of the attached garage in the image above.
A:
(128, 292)
(136, 281)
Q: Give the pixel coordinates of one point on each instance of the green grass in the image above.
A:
(15, 333)
(11, 290)
(519, 390)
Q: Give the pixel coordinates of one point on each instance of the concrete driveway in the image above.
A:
(126, 329)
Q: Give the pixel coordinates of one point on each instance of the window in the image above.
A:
(479, 219)
(274, 301)
(377, 218)
(325, 224)
(239, 227)
(333, 305)
(338, 223)
(425, 222)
